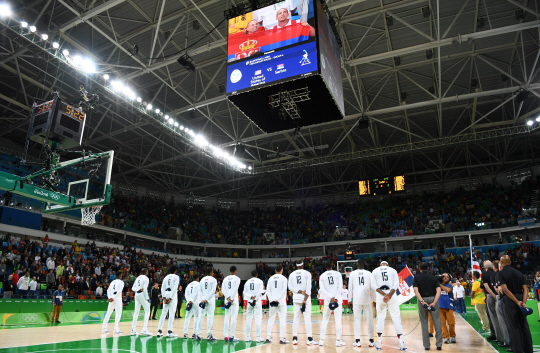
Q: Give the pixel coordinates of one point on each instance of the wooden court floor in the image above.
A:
(88, 338)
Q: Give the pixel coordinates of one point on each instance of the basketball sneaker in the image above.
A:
(283, 341)
(146, 333)
(340, 343)
(159, 333)
(321, 343)
(378, 345)
(133, 333)
(357, 344)
(105, 331)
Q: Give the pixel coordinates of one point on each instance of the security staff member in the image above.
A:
(488, 279)
(427, 291)
(499, 307)
(516, 291)
(154, 300)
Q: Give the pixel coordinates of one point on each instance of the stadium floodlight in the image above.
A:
(106, 77)
(176, 123)
(32, 29)
(243, 166)
(78, 60)
(149, 107)
(167, 117)
(191, 133)
(157, 110)
(117, 86)
(538, 119)
(55, 45)
(88, 66)
(201, 141)
(5, 10)
(249, 168)
(24, 24)
(530, 122)
(181, 127)
(65, 52)
(171, 121)
(139, 99)
(44, 36)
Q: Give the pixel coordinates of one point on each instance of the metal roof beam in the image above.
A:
(444, 42)
(85, 16)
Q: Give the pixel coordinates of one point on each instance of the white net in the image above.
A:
(89, 215)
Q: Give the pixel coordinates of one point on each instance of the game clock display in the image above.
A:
(381, 186)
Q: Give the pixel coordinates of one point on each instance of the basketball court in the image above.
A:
(88, 338)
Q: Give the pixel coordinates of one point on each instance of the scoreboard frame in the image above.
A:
(386, 185)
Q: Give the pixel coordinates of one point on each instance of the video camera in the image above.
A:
(441, 278)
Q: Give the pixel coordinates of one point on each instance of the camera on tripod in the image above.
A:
(441, 278)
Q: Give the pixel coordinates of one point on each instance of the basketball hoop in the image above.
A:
(89, 215)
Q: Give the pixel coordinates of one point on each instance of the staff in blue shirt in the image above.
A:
(446, 309)
(57, 300)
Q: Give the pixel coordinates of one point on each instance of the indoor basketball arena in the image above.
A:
(221, 176)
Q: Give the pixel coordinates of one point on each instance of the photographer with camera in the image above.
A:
(427, 291)
(446, 310)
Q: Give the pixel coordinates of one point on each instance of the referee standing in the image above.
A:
(427, 290)
(513, 285)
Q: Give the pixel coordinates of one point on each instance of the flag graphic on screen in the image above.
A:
(405, 288)
(475, 265)
(258, 72)
(280, 66)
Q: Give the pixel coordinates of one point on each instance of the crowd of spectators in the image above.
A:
(485, 207)
(80, 269)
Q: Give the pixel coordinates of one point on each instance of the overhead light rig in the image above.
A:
(86, 67)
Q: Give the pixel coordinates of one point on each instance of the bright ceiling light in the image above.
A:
(24, 24)
(157, 110)
(149, 107)
(167, 117)
(249, 168)
(77, 59)
(65, 52)
(538, 119)
(181, 127)
(32, 29)
(55, 45)
(44, 36)
(117, 86)
(530, 122)
(171, 121)
(88, 66)
(5, 10)
(191, 133)
(139, 99)
(201, 141)
(132, 95)
(106, 77)
(176, 123)
(243, 166)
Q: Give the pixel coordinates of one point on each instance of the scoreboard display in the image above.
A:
(381, 186)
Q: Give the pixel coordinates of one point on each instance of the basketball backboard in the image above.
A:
(87, 179)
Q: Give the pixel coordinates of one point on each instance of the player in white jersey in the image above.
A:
(207, 303)
(229, 289)
(192, 306)
(300, 286)
(114, 297)
(385, 282)
(330, 286)
(276, 290)
(253, 289)
(170, 285)
(345, 298)
(362, 297)
(140, 288)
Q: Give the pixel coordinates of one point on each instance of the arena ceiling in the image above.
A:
(455, 115)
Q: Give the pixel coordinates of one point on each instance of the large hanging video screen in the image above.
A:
(271, 44)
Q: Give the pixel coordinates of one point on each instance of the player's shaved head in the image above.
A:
(361, 264)
(505, 260)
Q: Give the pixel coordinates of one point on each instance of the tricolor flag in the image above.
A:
(475, 265)
(258, 72)
(280, 66)
(405, 288)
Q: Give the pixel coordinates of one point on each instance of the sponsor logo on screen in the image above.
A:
(236, 75)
